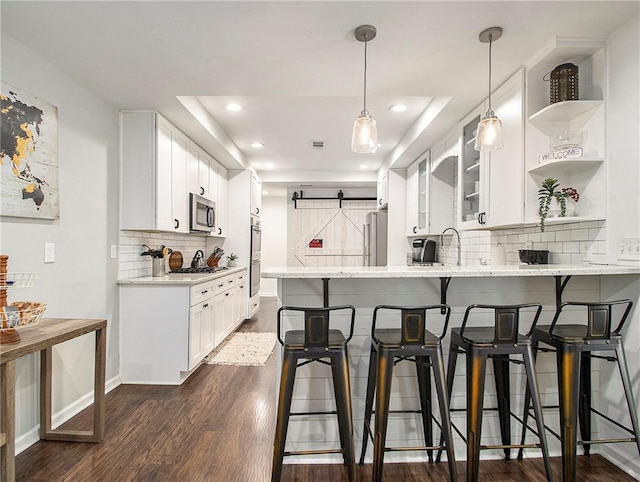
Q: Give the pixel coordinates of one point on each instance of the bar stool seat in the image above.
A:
(316, 343)
(411, 342)
(575, 344)
(497, 342)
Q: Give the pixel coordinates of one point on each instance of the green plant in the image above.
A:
(546, 193)
(232, 257)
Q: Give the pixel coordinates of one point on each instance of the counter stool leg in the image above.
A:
(568, 363)
(476, 371)
(424, 387)
(385, 373)
(451, 371)
(340, 367)
(527, 401)
(371, 388)
(532, 387)
(336, 369)
(287, 377)
(501, 375)
(443, 402)
(626, 383)
(584, 410)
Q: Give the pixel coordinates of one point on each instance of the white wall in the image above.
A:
(82, 281)
(623, 155)
(274, 238)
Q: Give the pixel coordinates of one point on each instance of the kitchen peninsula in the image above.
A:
(459, 286)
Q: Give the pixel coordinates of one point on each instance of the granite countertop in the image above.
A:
(188, 279)
(447, 271)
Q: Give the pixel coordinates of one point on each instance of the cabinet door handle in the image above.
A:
(230, 281)
(201, 191)
(241, 277)
(177, 223)
(220, 285)
(204, 292)
(226, 294)
(415, 229)
(205, 305)
(379, 202)
(219, 230)
(257, 210)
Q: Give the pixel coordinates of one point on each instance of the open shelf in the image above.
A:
(561, 115)
(563, 165)
(473, 167)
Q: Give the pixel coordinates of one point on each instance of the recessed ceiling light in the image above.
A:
(398, 108)
(270, 165)
(234, 107)
(363, 166)
(265, 193)
(257, 145)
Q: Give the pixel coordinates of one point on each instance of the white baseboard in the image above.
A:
(27, 439)
(625, 462)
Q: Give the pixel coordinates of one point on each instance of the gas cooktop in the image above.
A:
(204, 269)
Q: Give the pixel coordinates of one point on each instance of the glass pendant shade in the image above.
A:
(365, 134)
(489, 134)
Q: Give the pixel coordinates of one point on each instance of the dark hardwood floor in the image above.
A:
(218, 426)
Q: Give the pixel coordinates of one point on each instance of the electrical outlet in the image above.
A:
(628, 249)
(585, 250)
(49, 252)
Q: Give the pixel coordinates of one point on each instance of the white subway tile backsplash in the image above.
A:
(547, 236)
(579, 234)
(564, 235)
(570, 247)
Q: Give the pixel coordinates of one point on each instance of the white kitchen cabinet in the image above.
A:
(221, 201)
(166, 331)
(256, 194)
(383, 190)
(153, 180)
(430, 188)
(201, 336)
(585, 173)
(491, 187)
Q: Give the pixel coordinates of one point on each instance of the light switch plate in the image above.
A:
(114, 251)
(628, 249)
(49, 252)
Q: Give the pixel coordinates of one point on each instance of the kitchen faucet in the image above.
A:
(459, 245)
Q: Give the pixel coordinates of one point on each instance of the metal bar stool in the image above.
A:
(313, 344)
(574, 345)
(497, 342)
(412, 342)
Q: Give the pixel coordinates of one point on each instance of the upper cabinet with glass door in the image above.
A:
(491, 182)
(554, 128)
(430, 188)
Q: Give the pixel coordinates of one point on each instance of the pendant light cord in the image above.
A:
(490, 43)
(365, 76)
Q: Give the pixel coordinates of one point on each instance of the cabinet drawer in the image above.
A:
(222, 284)
(201, 292)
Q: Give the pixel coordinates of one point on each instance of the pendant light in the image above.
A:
(489, 134)
(365, 133)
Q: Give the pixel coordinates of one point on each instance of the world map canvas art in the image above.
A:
(28, 156)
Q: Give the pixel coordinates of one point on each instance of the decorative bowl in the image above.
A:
(21, 313)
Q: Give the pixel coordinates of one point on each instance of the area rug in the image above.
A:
(245, 348)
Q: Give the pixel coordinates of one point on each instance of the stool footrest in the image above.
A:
(315, 452)
(313, 413)
(413, 449)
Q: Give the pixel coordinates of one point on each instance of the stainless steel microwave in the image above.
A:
(202, 214)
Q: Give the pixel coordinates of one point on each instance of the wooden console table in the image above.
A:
(42, 337)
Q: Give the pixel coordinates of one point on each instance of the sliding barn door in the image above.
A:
(325, 234)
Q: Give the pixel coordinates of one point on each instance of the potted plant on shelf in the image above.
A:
(549, 193)
(231, 260)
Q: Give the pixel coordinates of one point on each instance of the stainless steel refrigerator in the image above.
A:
(375, 239)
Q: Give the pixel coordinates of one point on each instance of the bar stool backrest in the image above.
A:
(599, 317)
(413, 321)
(316, 325)
(506, 321)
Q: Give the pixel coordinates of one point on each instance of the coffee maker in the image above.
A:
(424, 251)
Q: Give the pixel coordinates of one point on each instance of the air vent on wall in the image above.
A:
(317, 144)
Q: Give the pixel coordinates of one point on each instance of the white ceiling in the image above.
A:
(297, 69)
